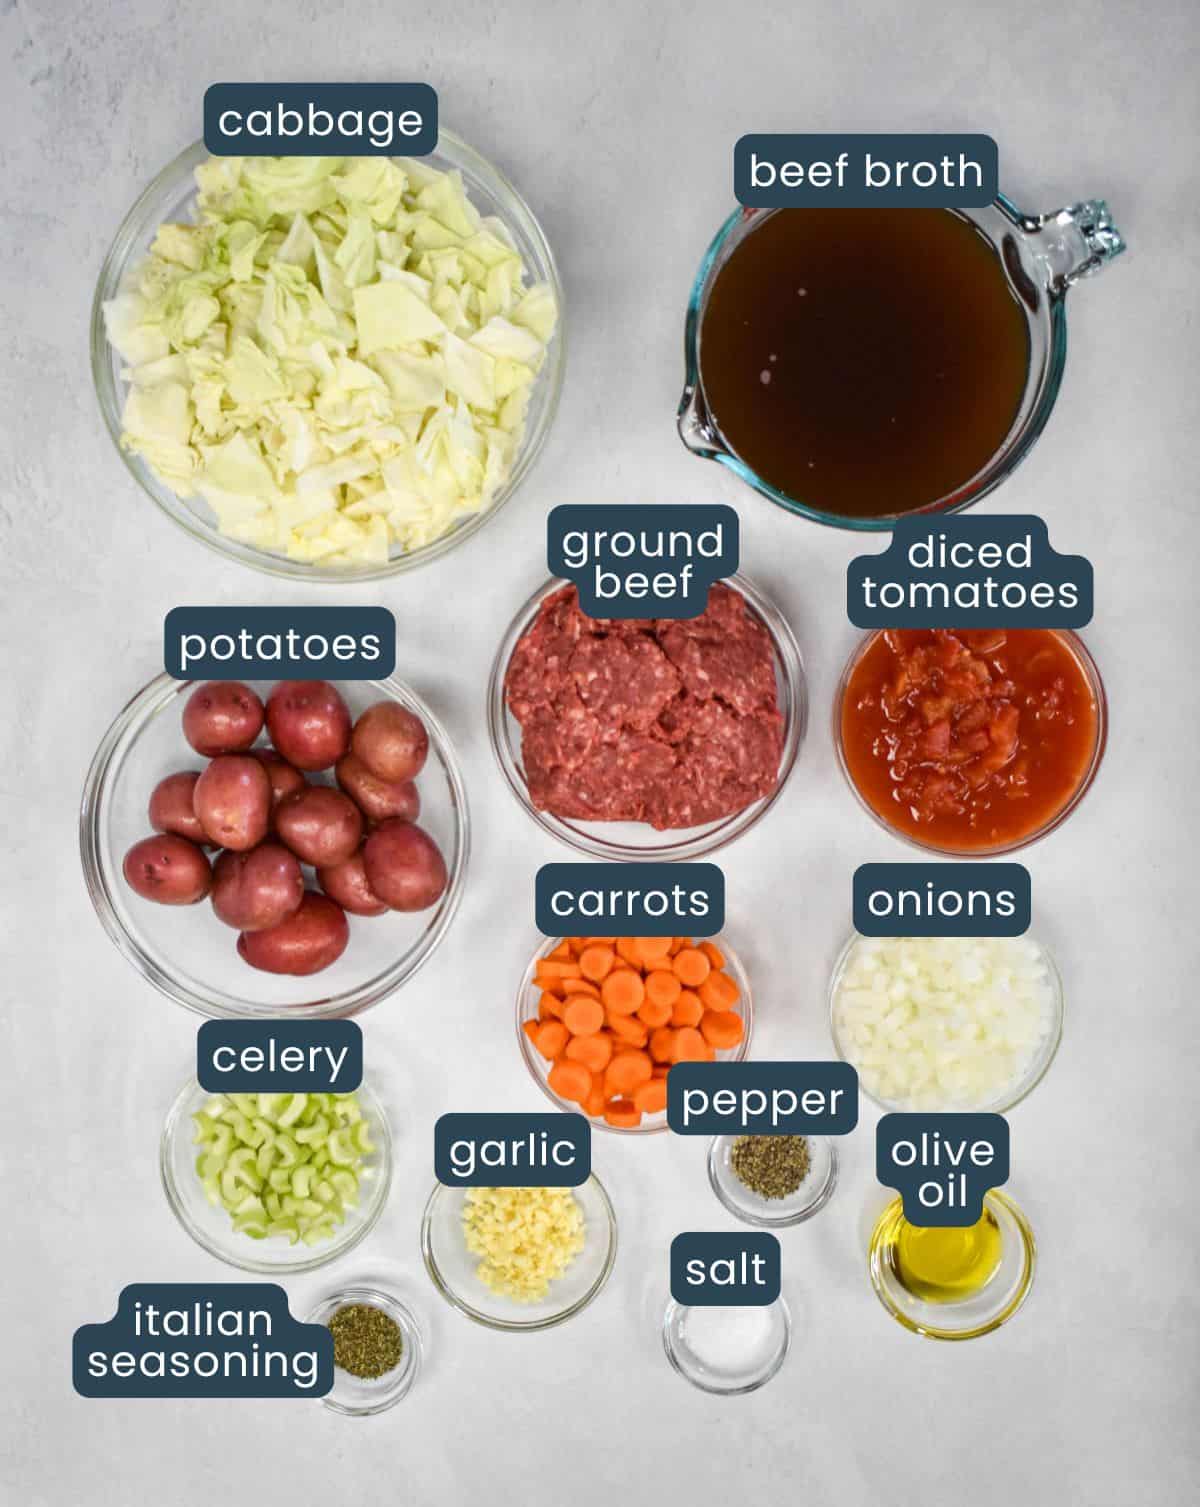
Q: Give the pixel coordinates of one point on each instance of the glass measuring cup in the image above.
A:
(1042, 256)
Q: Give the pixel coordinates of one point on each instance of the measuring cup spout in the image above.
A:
(696, 428)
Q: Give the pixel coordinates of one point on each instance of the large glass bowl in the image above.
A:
(528, 995)
(638, 841)
(451, 1266)
(171, 196)
(184, 950)
(212, 1227)
(1087, 668)
(1020, 1088)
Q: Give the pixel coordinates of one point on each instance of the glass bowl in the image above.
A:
(994, 1304)
(528, 995)
(357, 1396)
(171, 196)
(184, 950)
(212, 1228)
(634, 841)
(451, 1266)
(1091, 674)
(1020, 1088)
(774, 1213)
(730, 1381)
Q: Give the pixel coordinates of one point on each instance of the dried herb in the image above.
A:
(770, 1165)
(366, 1342)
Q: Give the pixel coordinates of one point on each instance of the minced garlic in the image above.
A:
(527, 1237)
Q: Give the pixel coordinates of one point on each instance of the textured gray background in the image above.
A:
(617, 120)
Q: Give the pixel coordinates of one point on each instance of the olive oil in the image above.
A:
(866, 362)
(947, 1265)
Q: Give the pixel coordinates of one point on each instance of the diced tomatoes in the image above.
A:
(970, 739)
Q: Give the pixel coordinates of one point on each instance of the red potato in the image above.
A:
(404, 866)
(171, 808)
(233, 801)
(169, 869)
(284, 777)
(254, 890)
(391, 741)
(309, 723)
(320, 825)
(309, 940)
(222, 717)
(347, 884)
(377, 799)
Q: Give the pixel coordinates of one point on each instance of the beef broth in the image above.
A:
(866, 362)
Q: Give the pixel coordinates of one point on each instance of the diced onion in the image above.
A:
(943, 1023)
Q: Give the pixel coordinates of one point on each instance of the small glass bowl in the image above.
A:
(774, 1213)
(638, 841)
(171, 197)
(732, 1383)
(360, 1397)
(539, 1069)
(993, 1305)
(1091, 674)
(451, 1266)
(184, 950)
(212, 1228)
(1037, 1069)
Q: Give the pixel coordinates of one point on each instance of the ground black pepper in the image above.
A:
(770, 1165)
(366, 1342)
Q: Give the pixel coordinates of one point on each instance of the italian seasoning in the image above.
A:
(770, 1165)
(366, 1341)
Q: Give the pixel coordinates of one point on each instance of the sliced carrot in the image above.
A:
(594, 1103)
(719, 992)
(627, 1029)
(691, 967)
(661, 1069)
(531, 1028)
(677, 943)
(550, 1007)
(654, 1014)
(662, 1045)
(722, 1029)
(551, 1038)
(624, 949)
(580, 986)
(595, 1052)
(688, 1009)
(622, 991)
(662, 987)
(555, 968)
(651, 951)
(570, 1080)
(596, 961)
(651, 1097)
(623, 1114)
(690, 1046)
(582, 1015)
(561, 953)
(713, 953)
(626, 1071)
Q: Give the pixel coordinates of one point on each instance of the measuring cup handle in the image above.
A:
(1078, 242)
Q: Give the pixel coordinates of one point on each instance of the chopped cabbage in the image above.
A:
(337, 357)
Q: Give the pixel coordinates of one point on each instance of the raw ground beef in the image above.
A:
(649, 719)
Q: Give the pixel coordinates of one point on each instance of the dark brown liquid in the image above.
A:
(866, 362)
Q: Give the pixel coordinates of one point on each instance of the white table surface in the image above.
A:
(617, 121)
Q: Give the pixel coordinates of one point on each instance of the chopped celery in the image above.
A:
(282, 1166)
